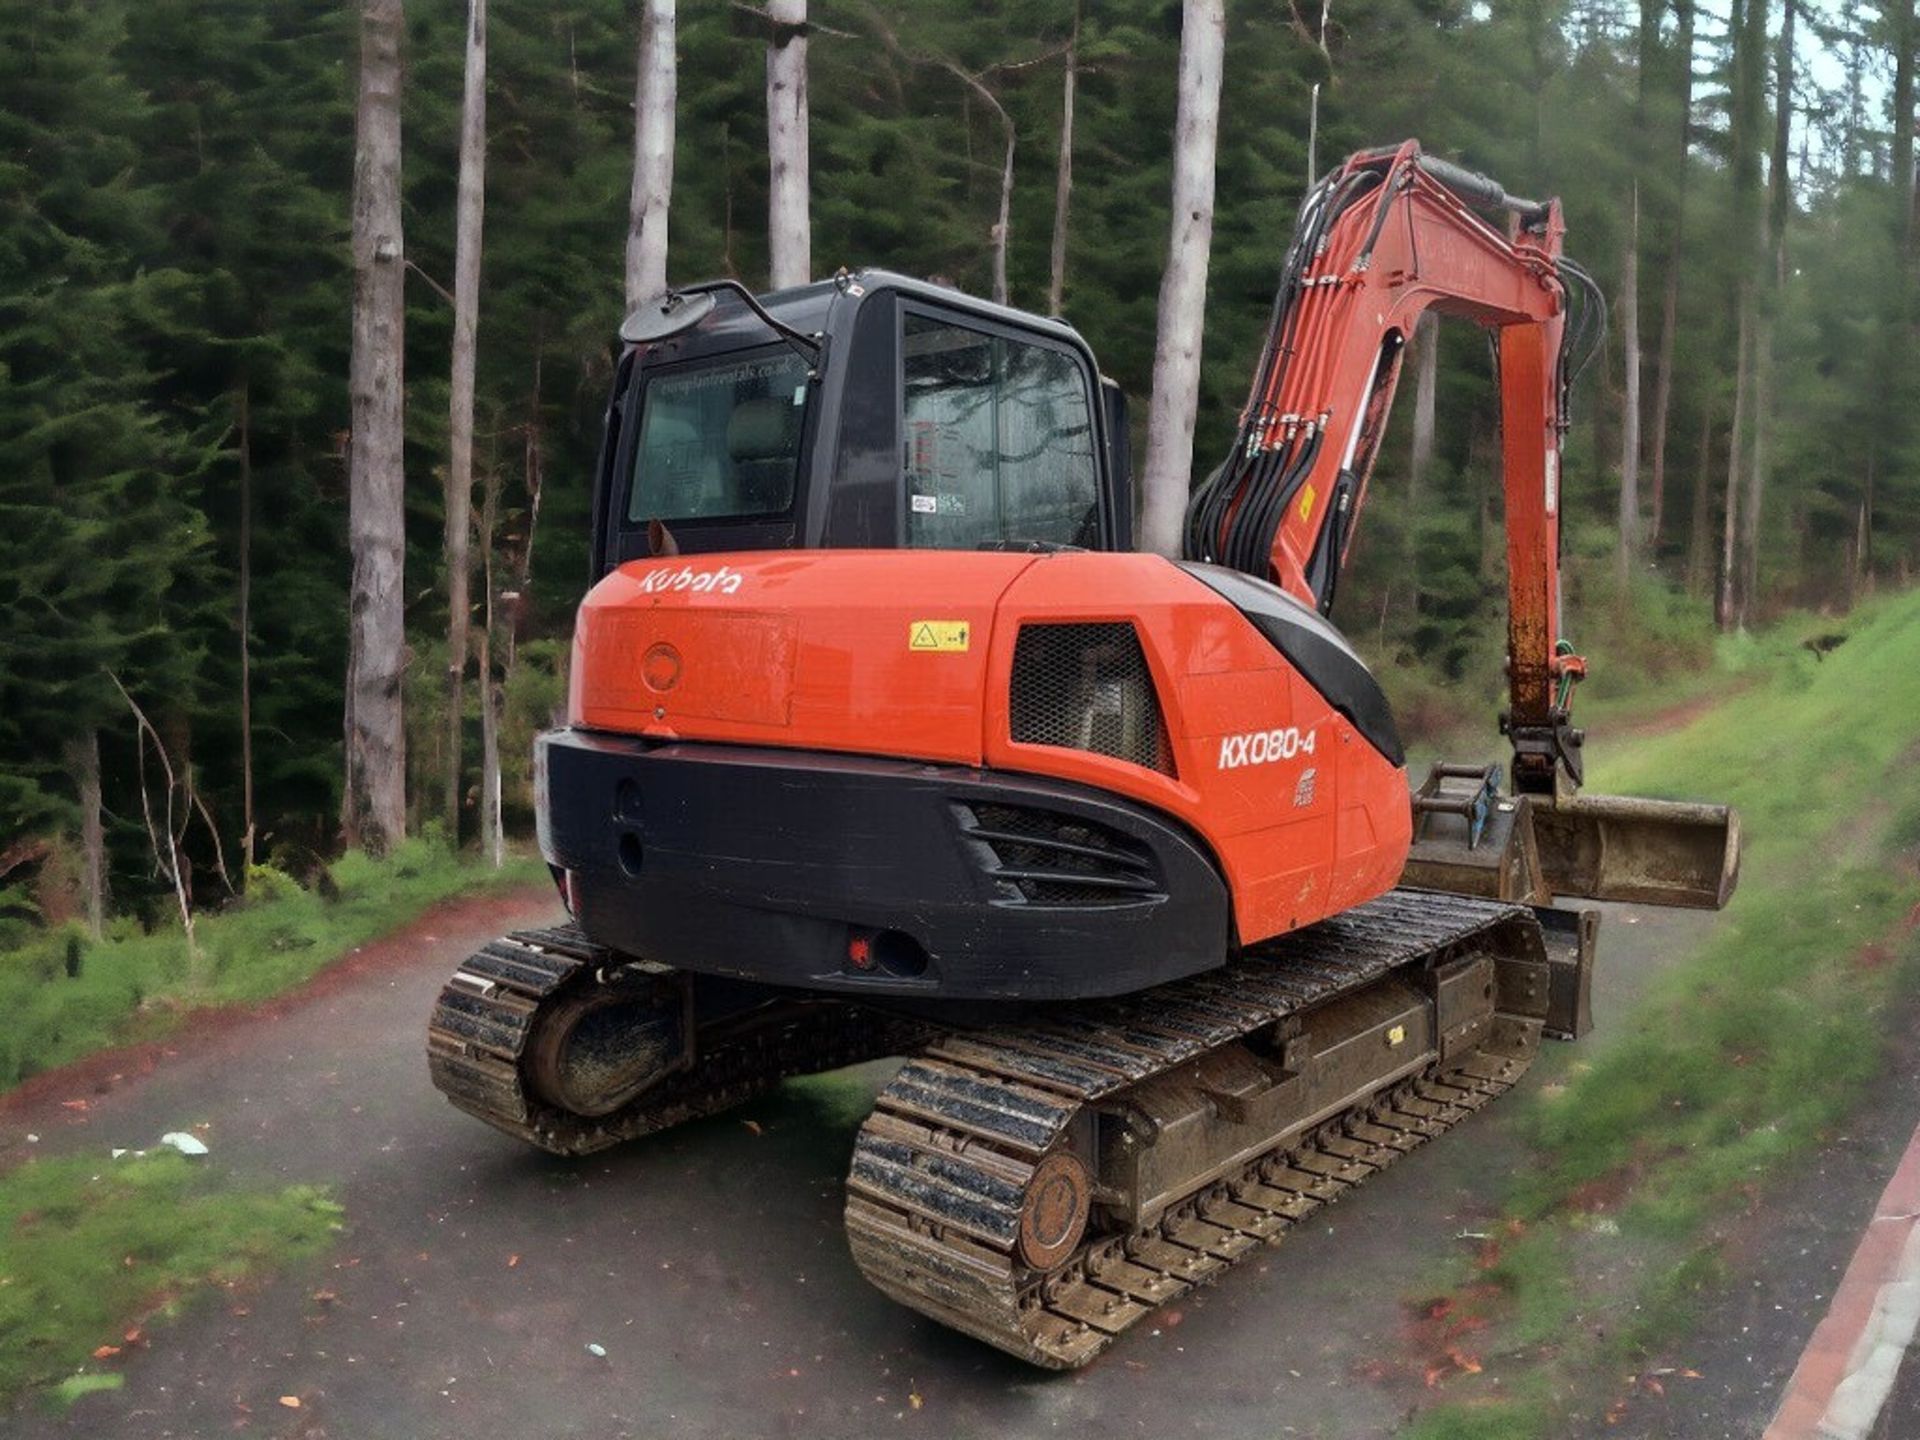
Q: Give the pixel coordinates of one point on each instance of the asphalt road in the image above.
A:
(708, 1263)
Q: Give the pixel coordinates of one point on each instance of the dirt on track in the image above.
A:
(708, 1264)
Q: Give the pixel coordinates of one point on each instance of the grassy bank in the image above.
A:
(1746, 1053)
(92, 1250)
(65, 997)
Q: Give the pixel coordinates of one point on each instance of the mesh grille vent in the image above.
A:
(1053, 859)
(1087, 687)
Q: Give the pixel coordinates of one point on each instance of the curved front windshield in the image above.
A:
(719, 439)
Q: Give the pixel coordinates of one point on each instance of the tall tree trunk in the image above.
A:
(1856, 551)
(789, 232)
(1780, 192)
(1724, 610)
(1063, 172)
(492, 834)
(1003, 225)
(1630, 390)
(469, 215)
(374, 801)
(1749, 587)
(1902, 102)
(1779, 207)
(727, 265)
(1168, 473)
(1313, 136)
(1003, 220)
(1851, 143)
(1676, 256)
(1663, 398)
(83, 762)
(1698, 546)
(655, 90)
(1426, 386)
(1863, 548)
(243, 415)
(535, 471)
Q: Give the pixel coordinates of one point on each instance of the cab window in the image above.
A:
(720, 439)
(999, 440)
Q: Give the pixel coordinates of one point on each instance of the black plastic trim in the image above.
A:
(1317, 650)
(764, 864)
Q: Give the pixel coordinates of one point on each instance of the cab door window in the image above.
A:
(999, 440)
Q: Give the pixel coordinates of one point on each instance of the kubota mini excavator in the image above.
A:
(881, 742)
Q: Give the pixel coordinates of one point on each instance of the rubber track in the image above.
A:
(482, 1024)
(939, 1168)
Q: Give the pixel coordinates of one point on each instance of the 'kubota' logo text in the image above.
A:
(1263, 747)
(725, 580)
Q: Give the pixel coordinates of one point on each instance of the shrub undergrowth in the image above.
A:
(136, 984)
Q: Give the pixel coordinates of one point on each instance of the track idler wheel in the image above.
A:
(1054, 1210)
(594, 1050)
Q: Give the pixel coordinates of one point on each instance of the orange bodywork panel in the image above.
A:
(910, 654)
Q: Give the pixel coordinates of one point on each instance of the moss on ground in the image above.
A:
(94, 1250)
(136, 985)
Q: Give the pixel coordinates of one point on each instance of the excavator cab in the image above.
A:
(867, 412)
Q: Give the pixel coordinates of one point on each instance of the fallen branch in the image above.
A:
(168, 864)
(785, 30)
(219, 850)
(25, 852)
(438, 289)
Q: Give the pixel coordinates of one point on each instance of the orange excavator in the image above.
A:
(882, 741)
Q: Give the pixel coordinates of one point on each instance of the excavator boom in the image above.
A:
(1386, 237)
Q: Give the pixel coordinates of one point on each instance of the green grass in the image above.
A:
(136, 985)
(1747, 1052)
(93, 1248)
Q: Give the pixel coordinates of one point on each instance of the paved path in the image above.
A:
(1841, 1388)
(707, 1263)
(1786, 1263)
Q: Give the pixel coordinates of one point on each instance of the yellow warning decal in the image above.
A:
(1396, 1036)
(1307, 497)
(938, 634)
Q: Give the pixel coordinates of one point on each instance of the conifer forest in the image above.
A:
(308, 314)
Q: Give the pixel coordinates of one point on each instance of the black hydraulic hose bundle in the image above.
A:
(1235, 513)
(1585, 333)
(1264, 481)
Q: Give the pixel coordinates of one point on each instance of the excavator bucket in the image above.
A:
(1471, 839)
(1656, 852)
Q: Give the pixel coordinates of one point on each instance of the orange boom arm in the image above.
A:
(1387, 236)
